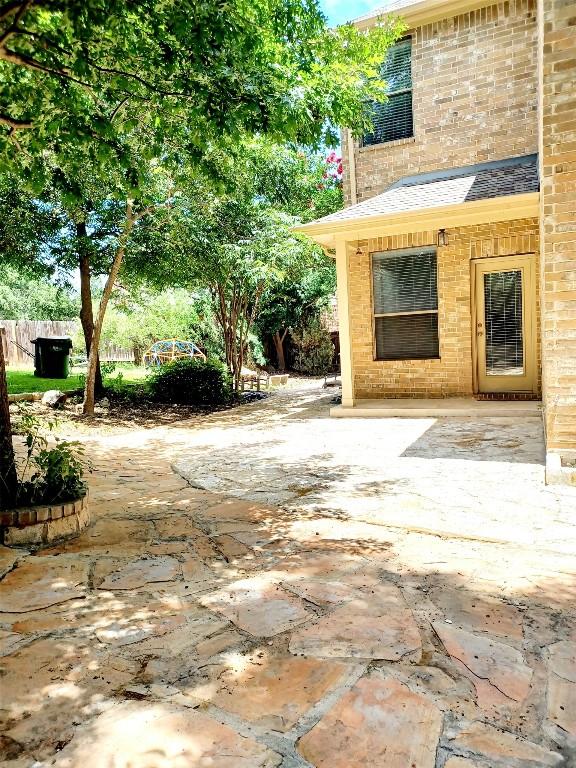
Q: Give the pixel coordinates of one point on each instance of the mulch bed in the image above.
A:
(141, 413)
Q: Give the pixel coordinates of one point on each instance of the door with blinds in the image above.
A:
(504, 323)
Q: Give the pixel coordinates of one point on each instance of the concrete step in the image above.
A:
(436, 408)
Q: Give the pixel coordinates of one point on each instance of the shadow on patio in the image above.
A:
(187, 626)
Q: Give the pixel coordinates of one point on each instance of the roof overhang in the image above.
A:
(423, 12)
(494, 209)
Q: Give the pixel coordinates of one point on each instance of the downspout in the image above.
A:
(351, 167)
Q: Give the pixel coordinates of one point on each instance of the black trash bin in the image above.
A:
(52, 357)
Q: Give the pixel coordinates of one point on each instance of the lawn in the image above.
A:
(23, 380)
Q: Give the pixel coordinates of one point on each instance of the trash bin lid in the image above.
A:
(60, 340)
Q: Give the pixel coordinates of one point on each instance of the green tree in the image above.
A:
(122, 88)
(26, 298)
(296, 300)
(306, 185)
(235, 246)
(72, 227)
(85, 74)
(240, 246)
(139, 317)
(27, 229)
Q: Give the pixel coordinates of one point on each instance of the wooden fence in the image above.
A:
(18, 335)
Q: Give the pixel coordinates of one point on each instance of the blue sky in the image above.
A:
(339, 11)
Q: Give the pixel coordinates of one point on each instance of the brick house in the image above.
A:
(456, 251)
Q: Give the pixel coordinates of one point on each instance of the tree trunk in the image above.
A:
(138, 353)
(89, 395)
(8, 478)
(278, 340)
(86, 312)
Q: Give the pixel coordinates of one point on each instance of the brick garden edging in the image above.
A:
(41, 525)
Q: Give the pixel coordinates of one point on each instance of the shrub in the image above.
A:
(129, 390)
(48, 475)
(314, 349)
(191, 382)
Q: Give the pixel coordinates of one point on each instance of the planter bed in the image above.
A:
(42, 525)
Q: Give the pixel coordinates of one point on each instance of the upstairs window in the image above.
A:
(393, 119)
(405, 304)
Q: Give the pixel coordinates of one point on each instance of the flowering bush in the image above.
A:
(335, 163)
(333, 171)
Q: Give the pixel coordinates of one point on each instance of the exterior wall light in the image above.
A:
(442, 237)
(359, 251)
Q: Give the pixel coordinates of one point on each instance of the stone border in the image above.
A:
(556, 474)
(41, 525)
(35, 396)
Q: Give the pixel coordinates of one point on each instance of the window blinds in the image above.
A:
(406, 337)
(393, 119)
(405, 304)
(504, 333)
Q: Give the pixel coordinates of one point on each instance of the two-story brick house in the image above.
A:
(455, 255)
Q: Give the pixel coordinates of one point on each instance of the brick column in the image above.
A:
(557, 70)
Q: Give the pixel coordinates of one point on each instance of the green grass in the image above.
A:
(23, 380)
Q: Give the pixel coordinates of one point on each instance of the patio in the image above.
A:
(331, 593)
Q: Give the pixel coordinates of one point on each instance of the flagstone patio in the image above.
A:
(330, 593)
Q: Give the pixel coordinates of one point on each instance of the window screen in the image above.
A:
(393, 119)
(405, 304)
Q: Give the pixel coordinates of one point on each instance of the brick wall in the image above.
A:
(558, 219)
(451, 375)
(474, 95)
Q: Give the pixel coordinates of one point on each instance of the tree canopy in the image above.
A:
(138, 317)
(26, 298)
(121, 102)
(190, 75)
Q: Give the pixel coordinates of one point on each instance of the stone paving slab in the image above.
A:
(161, 734)
(143, 571)
(378, 723)
(261, 608)
(561, 699)
(190, 627)
(494, 744)
(271, 692)
(37, 584)
(376, 624)
(502, 666)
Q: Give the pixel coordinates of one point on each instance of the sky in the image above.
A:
(340, 11)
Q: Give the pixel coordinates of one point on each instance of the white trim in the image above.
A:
(342, 282)
(494, 209)
(423, 12)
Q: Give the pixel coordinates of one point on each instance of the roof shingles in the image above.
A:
(514, 176)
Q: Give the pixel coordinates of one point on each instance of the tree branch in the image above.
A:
(25, 61)
(118, 107)
(9, 8)
(13, 123)
(13, 27)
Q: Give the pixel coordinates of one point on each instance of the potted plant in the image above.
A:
(50, 495)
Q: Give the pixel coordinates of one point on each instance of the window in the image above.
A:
(405, 304)
(393, 119)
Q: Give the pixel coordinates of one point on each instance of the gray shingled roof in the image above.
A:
(514, 176)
